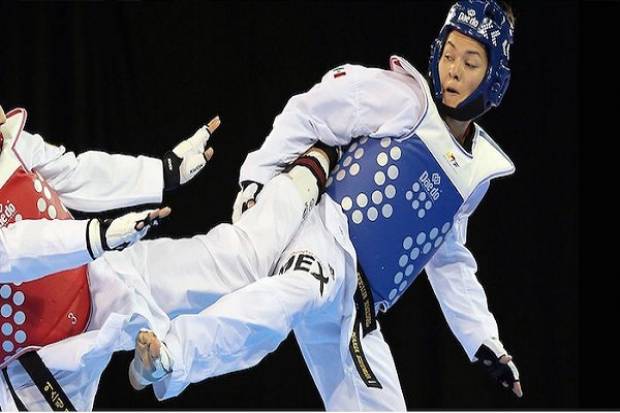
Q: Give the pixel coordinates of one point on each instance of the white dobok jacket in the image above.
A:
(90, 182)
(353, 102)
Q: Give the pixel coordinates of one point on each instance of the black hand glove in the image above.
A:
(117, 234)
(188, 158)
(504, 371)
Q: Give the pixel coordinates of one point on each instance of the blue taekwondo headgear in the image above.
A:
(486, 22)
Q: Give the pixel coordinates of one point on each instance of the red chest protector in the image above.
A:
(36, 313)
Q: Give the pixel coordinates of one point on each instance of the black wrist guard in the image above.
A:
(172, 171)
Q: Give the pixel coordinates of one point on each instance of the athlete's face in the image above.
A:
(462, 67)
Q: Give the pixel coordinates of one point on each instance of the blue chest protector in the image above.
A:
(399, 204)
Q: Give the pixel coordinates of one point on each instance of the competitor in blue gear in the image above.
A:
(414, 167)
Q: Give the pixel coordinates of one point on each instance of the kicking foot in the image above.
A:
(152, 360)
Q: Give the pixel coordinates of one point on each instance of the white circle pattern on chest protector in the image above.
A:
(406, 261)
(347, 161)
(392, 172)
(390, 191)
(382, 159)
(47, 193)
(41, 205)
(433, 233)
(362, 200)
(385, 142)
(389, 185)
(403, 260)
(346, 203)
(393, 294)
(353, 147)
(377, 197)
(420, 238)
(38, 186)
(427, 247)
(395, 153)
(358, 153)
(51, 211)
(6, 310)
(340, 175)
(363, 140)
(409, 270)
(20, 336)
(355, 169)
(19, 318)
(8, 346)
(379, 178)
(398, 277)
(438, 241)
(445, 228)
(357, 216)
(329, 182)
(7, 329)
(387, 210)
(19, 298)
(5, 291)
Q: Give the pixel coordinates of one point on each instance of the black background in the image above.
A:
(136, 78)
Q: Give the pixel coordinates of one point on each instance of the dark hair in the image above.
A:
(509, 12)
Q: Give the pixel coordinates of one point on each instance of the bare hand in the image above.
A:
(154, 215)
(211, 127)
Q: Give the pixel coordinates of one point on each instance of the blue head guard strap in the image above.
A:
(486, 22)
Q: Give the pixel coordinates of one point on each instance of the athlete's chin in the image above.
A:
(450, 102)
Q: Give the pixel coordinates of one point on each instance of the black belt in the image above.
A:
(44, 380)
(364, 304)
(365, 317)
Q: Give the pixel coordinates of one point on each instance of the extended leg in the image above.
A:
(187, 275)
(242, 327)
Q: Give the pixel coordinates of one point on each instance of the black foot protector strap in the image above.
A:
(314, 166)
(45, 382)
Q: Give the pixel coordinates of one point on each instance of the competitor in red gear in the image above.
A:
(45, 294)
(71, 297)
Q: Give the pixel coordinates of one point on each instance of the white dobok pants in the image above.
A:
(151, 282)
(316, 303)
